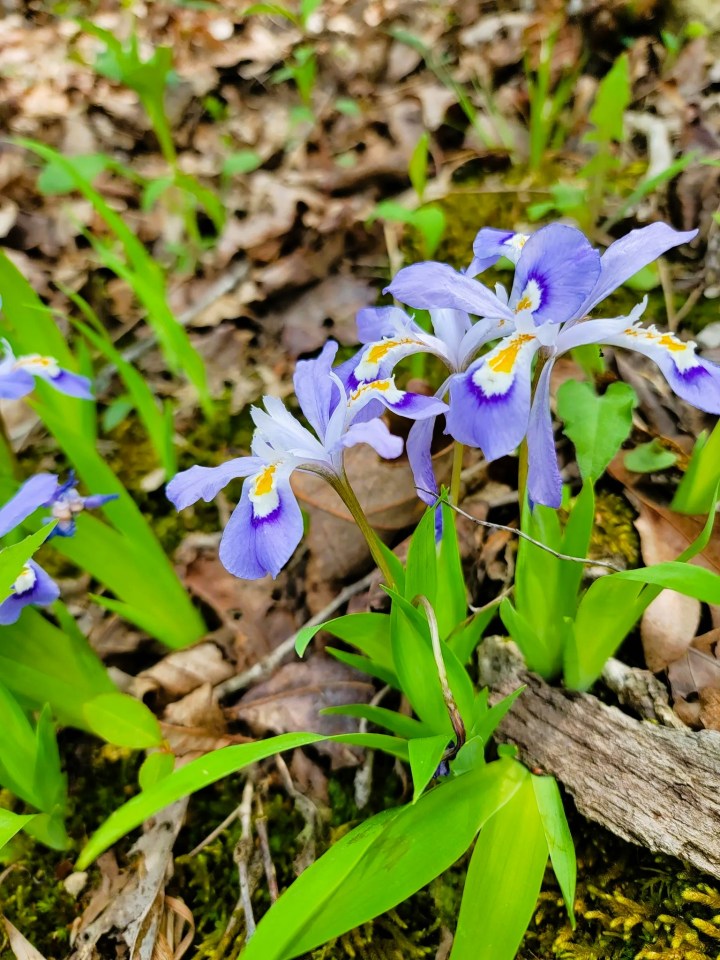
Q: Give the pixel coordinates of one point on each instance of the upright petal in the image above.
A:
(544, 480)
(695, 380)
(376, 323)
(279, 428)
(491, 244)
(96, 500)
(450, 327)
(480, 333)
(314, 388)
(33, 587)
(204, 483)
(490, 403)
(428, 285)
(419, 451)
(556, 271)
(265, 527)
(36, 492)
(377, 435)
(624, 258)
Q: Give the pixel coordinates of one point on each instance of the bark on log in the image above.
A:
(651, 785)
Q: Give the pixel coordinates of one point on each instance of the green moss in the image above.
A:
(614, 534)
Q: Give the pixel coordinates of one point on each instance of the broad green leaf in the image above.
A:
(558, 837)
(430, 221)
(11, 823)
(369, 632)
(597, 425)
(44, 664)
(503, 881)
(421, 564)
(155, 767)
(539, 658)
(201, 773)
(123, 720)
(243, 161)
(393, 721)
(611, 101)
(467, 635)
(418, 166)
(381, 863)
(55, 179)
(649, 457)
(425, 755)
(13, 559)
(17, 750)
(695, 491)
(451, 602)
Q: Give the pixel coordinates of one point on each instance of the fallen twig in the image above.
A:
(265, 667)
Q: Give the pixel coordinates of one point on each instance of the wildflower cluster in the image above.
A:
(498, 348)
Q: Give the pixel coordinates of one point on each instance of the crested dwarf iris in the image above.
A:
(33, 585)
(17, 376)
(559, 278)
(266, 526)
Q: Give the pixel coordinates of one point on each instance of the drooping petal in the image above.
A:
(376, 323)
(491, 244)
(71, 384)
(96, 500)
(624, 258)
(265, 527)
(33, 586)
(428, 285)
(544, 480)
(691, 377)
(411, 405)
(36, 492)
(15, 384)
(315, 391)
(490, 403)
(377, 435)
(419, 452)
(556, 271)
(204, 483)
(379, 359)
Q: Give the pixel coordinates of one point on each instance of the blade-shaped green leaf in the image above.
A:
(558, 837)
(503, 881)
(425, 755)
(123, 720)
(381, 863)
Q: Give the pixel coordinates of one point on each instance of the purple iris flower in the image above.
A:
(17, 376)
(267, 525)
(62, 499)
(389, 335)
(559, 278)
(34, 586)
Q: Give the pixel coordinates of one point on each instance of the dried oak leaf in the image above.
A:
(292, 698)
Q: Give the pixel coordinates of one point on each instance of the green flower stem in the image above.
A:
(458, 452)
(348, 497)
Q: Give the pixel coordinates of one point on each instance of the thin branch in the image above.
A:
(266, 666)
(526, 536)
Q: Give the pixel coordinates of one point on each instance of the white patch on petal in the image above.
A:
(26, 581)
(263, 492)
(378, 389)
(496, 375)
(515, 243)
(375, 353)
(36, 364)
(680, 352)
(531, 297)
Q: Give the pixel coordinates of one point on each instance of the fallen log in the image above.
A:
(650, 784)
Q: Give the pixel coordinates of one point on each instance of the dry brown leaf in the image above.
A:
(21, 948)
(182, 671)
(292, 698)
(134, 914)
